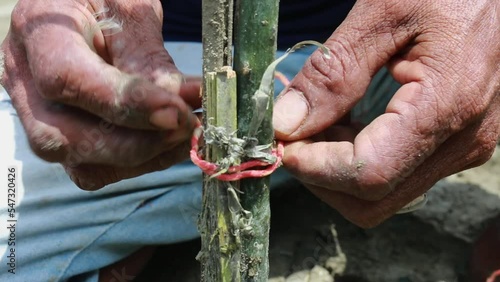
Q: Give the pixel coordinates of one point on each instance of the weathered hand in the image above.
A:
(445, 118)
(108, 104)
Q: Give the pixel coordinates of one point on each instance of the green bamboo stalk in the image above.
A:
(256, 25)
(220, 254)
(220, 251)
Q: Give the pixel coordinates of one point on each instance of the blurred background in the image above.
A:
(6, 7)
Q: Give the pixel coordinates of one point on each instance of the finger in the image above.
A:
(60, 133)
(138, 47)
(94, 177)
(128, 53)
(67, 70)
(383, 154)
(191, 91)
(476, 143)
(439, 98)
(326, 89)
(339, 133)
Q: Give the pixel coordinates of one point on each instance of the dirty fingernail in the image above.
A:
(289, 112)
(166, 118)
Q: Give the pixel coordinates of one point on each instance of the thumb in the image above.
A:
(326, 89)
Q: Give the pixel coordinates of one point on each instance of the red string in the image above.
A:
(493, 276)
(235, 172)
(244, 170)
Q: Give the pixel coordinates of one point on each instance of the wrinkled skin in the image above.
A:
(445, 118)
(94, 102)
(108, 105)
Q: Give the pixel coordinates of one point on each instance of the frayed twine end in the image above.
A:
(108, 25)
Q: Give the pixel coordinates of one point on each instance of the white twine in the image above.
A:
(108, 25)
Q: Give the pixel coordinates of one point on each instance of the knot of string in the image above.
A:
(253, 168)
(260, 162)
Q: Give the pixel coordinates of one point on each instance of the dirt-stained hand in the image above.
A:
(95, 89)
(445, 118)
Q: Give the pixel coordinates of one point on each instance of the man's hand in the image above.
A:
(445, 118)
(95, 90)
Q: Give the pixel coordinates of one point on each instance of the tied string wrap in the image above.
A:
(260, 163)
(493, 277)
(235, 172)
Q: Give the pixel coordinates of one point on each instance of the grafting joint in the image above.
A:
(244, 158)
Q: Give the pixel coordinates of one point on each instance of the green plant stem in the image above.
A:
(220, 251)
(220, 254)
(256, 25)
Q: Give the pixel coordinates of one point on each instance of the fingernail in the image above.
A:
(289, 112)
(166, 118)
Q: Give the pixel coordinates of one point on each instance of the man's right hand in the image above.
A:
(106, 104)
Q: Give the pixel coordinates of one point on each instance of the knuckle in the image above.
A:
(139, 151)
(86, 184)
(373, 185)
(368, 218)
(129, 104)
(83, 180)
(344, 71)
(332, 72)
(60, 78)
(151, 61)
(18, 18)
(486, 135)
(373, 191)
(50, 84)
(178, 154)
(469, 108)
(47, 143)
(364, 223)
(135, 160)
(485, 151)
